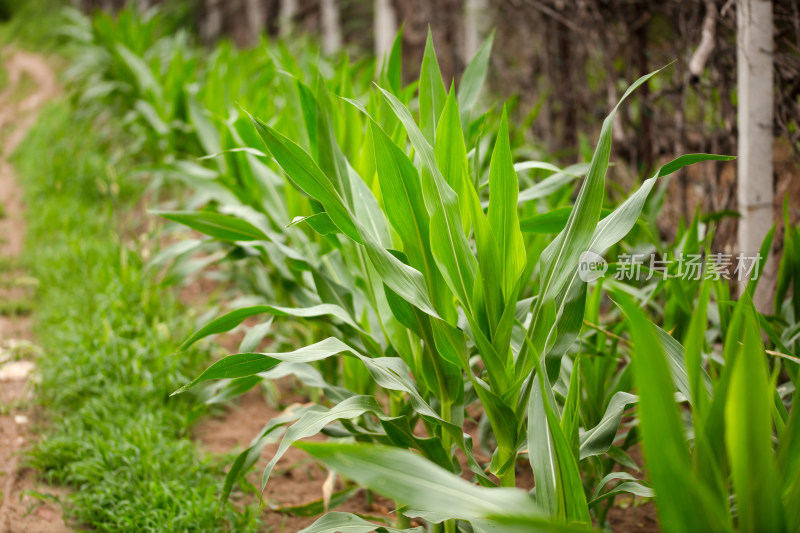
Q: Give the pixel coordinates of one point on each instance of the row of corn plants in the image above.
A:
(438, 276)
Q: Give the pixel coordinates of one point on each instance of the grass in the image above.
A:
(107, 333)
(394, 252)
(24, 87)
(25, 23)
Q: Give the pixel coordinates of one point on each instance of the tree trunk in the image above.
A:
(385, 28)
(256, 19)
(754, 46)
(286, 17)
(331, 28)
(211, 23)
(476, 22)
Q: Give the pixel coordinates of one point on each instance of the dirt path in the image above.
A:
(24, 505)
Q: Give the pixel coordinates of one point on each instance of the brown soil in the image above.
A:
(632, 514)
(25, 505)
(296, 479)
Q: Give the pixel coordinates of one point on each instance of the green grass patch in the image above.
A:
(30, 23)
(16, 307)
(109, 359)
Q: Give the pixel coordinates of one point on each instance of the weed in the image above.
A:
(107, 367)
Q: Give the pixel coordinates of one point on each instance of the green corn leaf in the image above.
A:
(748, 437)
(432, 93)
(310, 377)
(693, 356)
(683, 503)
(570, 419)
(252, 339)
(329, 155)
(145, 79)
(559, 261)
(551, 222)
(230, 320)
(207, 134)
(316, 418)
(630, 485)
(406, 281)
(393, 71)
(411, 479)
(449, 244)
(320, 505)
(306, 175)
(298, 165)
(559, 488)
(690, 159)
(308, 107)
(503, 218)
(474, 76)
(789, 467)
(561, 256)
(337, 522)
(405, 208)
(715, 417)
(321, 223)
(451, 156)
(764, 253)
(246, 364)
(551, 184)
(368, 212)
(223, 227)
(504, 422)
(234, 366)
(526, 524)
(400, 433)
(490, 291)
(789, 266)
(608, 232)
(598, 440)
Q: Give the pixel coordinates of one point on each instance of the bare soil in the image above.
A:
(295, 481)
(25, 505)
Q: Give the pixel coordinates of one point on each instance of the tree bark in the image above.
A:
(698, 61)
(288, 11)
(211, 23)
(754, 49)
(256, 19)
(385, 28)
(330, 25)
(476, 22)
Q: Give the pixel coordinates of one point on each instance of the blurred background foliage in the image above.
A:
(563, 63)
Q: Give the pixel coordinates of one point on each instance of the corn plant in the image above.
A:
(444, 302)
(741, 472)
(398, 226)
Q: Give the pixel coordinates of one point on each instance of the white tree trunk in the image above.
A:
(256, 17)
(330, 25)
(476, 24)
(212, 22)
(754, 45)
(286, 16)
(385, 28)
